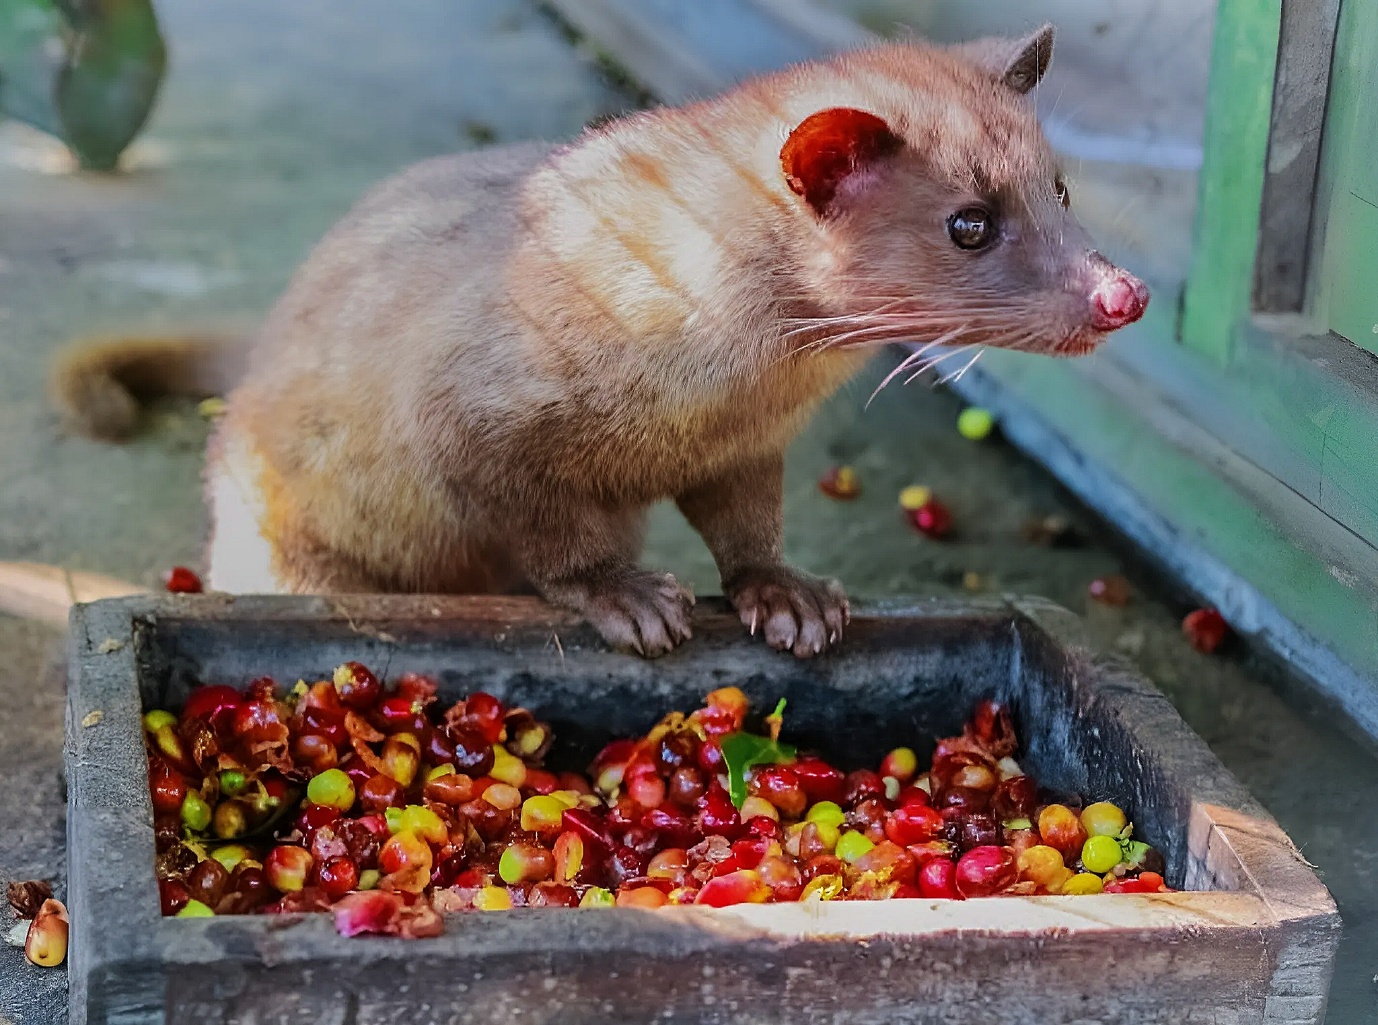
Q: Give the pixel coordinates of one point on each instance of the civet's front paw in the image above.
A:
(795, 611)
(646, 612)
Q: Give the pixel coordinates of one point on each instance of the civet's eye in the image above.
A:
(1063, 196)
(972, 227)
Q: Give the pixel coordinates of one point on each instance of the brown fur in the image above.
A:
(487, 372)
(97, 385)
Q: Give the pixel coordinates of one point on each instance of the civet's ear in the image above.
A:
(1018, 63)
(830, 146)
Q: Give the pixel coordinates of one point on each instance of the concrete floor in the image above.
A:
(275, 117)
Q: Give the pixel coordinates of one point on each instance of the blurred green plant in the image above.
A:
(86, 71)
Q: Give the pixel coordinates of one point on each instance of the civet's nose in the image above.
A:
(1119, 299)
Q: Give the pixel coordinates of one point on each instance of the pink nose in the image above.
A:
(1118, 300)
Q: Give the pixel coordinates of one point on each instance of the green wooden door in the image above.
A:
(1349, 286)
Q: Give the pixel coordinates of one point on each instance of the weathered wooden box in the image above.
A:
(1256, 946)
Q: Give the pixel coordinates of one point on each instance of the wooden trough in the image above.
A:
(1254, 943)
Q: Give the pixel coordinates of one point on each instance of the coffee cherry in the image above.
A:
(901, 764)
(196, 813)
(542, 814)
(1081, 884)
(1060, 829)
(402, 758)
(938, 880)
(286, 868)
(338, 876)
(473, 752)
(1100, 854)
(180, 580)
(381, 792)
(315, 752)
(503, 797)
(781, 786)
(452, 788)
(328, 723)
(407, 861)
(358, 688)
(1103, 819)
(213, 704)
(507, 767)
(979, 829)
(569, 856)
(1206, 630)
(597, 897)
(686, 786)
(985, 871)
(742, 887)
(758, 808)
(647, 791)
(932, 519)
(821, 781)
(399, 714)
(890, 862)
(840, 482)
(208, 882)
(524, 863)
(167, 787)
(172, 896)
(668, 864)
(648, 897)
(675, 751)
(1043, 866)
(852, 845)
(717, 816)
(710, 758)
(331, 789)
(860, 786)
(230, 820)
(975, 423)
(492, 898)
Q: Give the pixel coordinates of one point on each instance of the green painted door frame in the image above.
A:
(1238, 115)
(1348, 292)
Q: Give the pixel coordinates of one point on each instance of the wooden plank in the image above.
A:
(1238, 113)
(47, 593)
(1289, 205)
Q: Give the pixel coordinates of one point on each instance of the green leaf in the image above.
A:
(741, 751)
(86, 71)
(1132, 852)
(107, 88)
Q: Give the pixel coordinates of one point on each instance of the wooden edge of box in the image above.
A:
(109, 808)
(1254, 853)
(1235, 846)
(280, 940)
(368, 611)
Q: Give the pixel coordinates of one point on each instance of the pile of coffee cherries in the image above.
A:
(386, 808)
